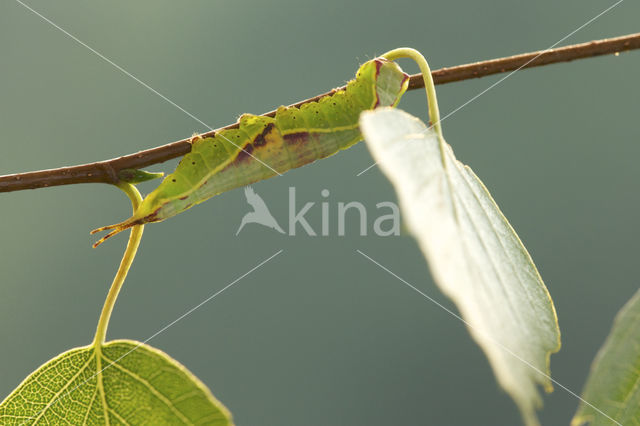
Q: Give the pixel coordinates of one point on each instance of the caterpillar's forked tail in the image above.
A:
(115, 229)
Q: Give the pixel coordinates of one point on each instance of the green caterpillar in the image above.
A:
(262, 147)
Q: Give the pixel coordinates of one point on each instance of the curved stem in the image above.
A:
(127, 259)
(429, 86)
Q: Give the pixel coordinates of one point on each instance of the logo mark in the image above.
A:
(260, 214)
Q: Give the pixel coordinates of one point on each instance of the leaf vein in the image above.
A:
(153, 390)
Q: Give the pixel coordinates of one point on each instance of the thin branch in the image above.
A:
(108, 171)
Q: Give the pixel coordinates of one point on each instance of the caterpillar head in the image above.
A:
(390, 81)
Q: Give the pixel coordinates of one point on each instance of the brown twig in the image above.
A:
(107, 171)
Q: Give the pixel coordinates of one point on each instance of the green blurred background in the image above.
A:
(319, 335)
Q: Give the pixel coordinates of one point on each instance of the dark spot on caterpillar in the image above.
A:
(260, 140)
(245, 154)
(193, 162)
(378, 67)
(149, 218)
(404, 79)
(183, 198)
(106, 237)
(296, 138)
(173, 180)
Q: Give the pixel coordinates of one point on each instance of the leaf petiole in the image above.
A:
(429, 85)
(127, 259)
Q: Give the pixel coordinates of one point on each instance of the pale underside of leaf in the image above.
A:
(138, 385)
(474, 254)
(613, 386)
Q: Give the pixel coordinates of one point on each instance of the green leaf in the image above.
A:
(475, 256)
(143, 386)
(613, 387)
